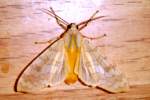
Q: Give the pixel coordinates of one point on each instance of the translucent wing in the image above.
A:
(46, 70)
(95, 71)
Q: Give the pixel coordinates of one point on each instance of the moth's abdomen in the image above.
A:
(72, 54)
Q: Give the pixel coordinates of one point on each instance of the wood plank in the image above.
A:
(126, 25)
(141, 92)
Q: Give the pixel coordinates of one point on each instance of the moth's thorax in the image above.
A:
(72, 37)
(72, 28)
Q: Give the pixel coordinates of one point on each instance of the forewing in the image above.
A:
(46, 70)
(95, 71)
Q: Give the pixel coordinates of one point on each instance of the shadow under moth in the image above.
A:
(68, 58)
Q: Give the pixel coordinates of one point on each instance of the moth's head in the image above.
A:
(72, 27)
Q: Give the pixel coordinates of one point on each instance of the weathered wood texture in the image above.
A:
(127, 25)
(141, 92)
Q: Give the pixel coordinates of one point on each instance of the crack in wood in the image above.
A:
(8, 58)
(144, 39)
(142, 57)
(134, 2)
(111, 45)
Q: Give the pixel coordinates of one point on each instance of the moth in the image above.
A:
(68, 58)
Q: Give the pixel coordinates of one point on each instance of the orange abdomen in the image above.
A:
(72, 54)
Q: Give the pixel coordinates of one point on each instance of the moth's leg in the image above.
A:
(85, 23)
(58, 21)
(43, 42)
(49, 12)
(51, 40)
(94, 38)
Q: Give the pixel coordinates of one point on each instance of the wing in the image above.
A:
(45, 70)
(95, 71)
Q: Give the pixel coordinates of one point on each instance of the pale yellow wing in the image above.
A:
(95, 71)
(44, 71)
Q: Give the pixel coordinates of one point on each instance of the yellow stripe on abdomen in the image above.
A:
(72, 58)
(72, 53)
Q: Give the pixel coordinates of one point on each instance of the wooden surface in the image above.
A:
(127, 25)
(136, 93)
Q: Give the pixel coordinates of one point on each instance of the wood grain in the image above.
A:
(141, 92)
(126, 24)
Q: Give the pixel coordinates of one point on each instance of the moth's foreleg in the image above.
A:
(58, 21)
(85, 23)
(61, 25)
